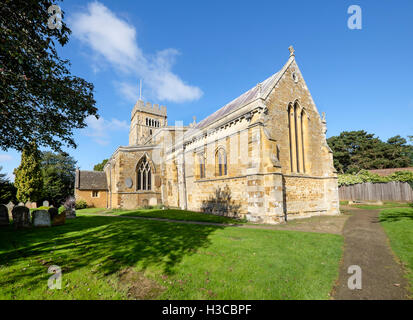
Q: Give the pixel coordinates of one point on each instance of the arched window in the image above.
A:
(297, 127)
(201, 162)
(221, 162)
(144, 175)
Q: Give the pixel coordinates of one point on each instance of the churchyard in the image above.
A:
(123, 254)
(125, 258)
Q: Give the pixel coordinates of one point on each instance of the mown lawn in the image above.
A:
(112, 258)
(398, 224)
(385, 205)
(174, 214)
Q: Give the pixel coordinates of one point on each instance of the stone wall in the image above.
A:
(97, 202)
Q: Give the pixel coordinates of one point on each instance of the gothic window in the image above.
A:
(144, 175)
(297, 127)
(201, 162)
(221, 162)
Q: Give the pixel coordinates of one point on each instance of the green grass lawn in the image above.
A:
(398, 224)
(111, 258)
(385, 205)
(174, 214)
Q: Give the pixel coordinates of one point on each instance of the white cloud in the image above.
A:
(128, 91)
(114, 40)
(5, 157)
(99, 129)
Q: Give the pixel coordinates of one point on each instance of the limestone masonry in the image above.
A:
(263, 156)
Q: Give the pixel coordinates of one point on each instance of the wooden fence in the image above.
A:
(391, 191)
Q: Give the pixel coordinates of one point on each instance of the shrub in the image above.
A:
(366, 176)
(80, 204)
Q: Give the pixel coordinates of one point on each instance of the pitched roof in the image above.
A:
(386, 172)
(261, 90)
(91, 180)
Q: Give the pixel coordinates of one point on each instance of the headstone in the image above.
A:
(70, 213)
(45, 203)
(4, 215)
(10, 206)
(53, 212)
(59, 219)
(21, 217)
(41, 218)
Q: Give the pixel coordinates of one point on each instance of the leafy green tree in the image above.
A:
(357, 150)
(40, 99)
(99, 166)
(58, 172)
(28, 176)
(7, 189)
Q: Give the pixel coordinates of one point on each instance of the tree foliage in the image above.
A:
(58, 173)
(28, 177)
(99, 166)
(7, 189)
(357, 150)
(39, 98)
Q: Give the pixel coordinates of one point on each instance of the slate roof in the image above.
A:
(259, 91)
(91, 180)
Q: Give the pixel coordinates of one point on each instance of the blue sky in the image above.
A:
(196, 56)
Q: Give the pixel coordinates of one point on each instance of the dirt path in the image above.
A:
(366, 245)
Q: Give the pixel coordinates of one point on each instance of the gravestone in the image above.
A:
(45, 203)
(70, 213)
(59, 219)
(53, 212)
(21, 217)
(41, 218)
(10, 206)
(4, 215)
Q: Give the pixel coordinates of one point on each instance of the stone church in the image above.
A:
(262, 156)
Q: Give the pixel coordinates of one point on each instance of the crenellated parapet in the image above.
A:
(148, 107)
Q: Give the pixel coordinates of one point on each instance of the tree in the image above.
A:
(99, 166)
(58, 173)
(28, 177)
(39, 98)
(357, 150)
(7, 189)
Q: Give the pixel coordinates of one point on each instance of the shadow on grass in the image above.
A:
(104, 244)
(396, 215)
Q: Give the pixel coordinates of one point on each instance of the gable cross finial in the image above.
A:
(291, 49)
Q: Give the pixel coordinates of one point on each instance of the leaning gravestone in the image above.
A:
(21, 217)
(45, 203)
(41, 218)
(59, 219)
(4, 215)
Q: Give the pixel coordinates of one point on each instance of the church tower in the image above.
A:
(145, 120)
